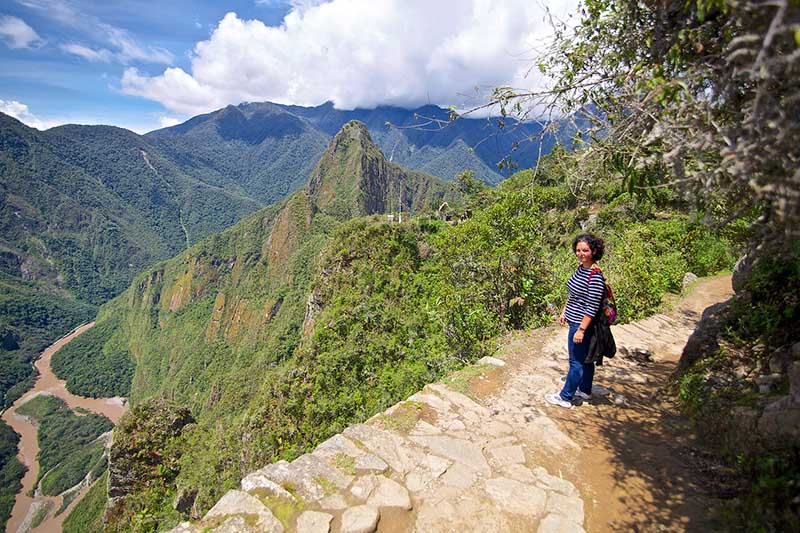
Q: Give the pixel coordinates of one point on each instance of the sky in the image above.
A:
(144, 65)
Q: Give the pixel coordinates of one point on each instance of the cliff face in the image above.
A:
(354, 179)
(213, 327)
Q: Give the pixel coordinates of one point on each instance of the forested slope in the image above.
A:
(82, 209)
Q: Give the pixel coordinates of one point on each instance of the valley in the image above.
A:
(48, 384)
(321, 295)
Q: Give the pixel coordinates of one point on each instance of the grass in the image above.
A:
(283, 509)
(459, 381)
(403, 418)
(327, 485)
(345, 463)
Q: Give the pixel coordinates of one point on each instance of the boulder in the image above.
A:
(703, 341)
(235, 504)
(490, 361)
(314, 522)
(389, 493)
(360, 519)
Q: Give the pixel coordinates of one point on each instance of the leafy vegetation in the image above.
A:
(73, 469)
(757, 339)
(88, 513)
(145, 459)
(11, 471)
(94, 367)
(65, 456)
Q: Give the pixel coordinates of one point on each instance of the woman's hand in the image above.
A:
(562, 319)
(578, 337)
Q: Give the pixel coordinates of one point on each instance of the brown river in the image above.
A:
(48, 383)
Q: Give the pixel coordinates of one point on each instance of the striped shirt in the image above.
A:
(584, 296)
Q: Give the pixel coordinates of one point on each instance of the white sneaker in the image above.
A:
(582, 395)
(555, 399)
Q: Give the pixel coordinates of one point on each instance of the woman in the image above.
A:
(586, 288)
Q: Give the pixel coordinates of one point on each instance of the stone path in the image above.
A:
(478, 454)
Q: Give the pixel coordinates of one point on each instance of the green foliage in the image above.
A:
(32, 316)
(769, 496)
(93, 365)
(11, 471)
(72, 470)
(148, 444)
(63, 440)
(760, 323)
(87, 516)
(771, 311)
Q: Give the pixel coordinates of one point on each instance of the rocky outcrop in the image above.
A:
(139, 452)
(779, 424)
(704, 341)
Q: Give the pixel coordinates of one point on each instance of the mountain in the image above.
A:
(245, 142)
(83, 209)
(260, 150)
(425, 139)
(214, 327)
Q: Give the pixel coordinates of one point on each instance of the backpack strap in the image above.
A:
(595, 269)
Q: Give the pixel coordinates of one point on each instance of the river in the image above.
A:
(48, 383)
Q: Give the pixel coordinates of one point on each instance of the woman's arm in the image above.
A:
(578, 337)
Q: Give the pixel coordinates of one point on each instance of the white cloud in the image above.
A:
(101, 55)
(17, 34)
(121, 46)
(20, 111)
(146, 122)
(165, 121)
(129, 50)
(359, 53)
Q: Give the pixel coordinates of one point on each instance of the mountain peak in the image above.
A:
(354, 179)
(335, 185)
(354, 131)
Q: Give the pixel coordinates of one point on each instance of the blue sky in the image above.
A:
(143, 65)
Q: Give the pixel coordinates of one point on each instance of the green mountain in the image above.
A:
(214, 327)
(424, 138)
(82, 210)
(263, 340)
(260, 150)
(247, 143)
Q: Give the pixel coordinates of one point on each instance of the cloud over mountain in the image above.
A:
(359, 53)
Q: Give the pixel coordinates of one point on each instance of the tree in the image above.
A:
(699, 95)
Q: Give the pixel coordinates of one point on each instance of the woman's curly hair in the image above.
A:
(596, 244)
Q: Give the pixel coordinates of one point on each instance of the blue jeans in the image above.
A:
(580, 374)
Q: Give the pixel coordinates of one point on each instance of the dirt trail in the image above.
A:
(48, 383)
(636, 467)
